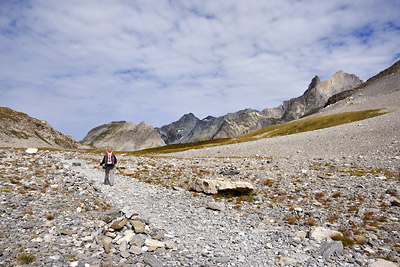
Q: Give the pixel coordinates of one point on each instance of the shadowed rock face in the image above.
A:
(173, 132)
(17, 129)
(191, 129)
(123, 136)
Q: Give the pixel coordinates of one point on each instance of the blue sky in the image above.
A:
(79, 64)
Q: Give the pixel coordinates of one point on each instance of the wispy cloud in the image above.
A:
(79, 64)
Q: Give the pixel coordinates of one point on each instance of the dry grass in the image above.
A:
(25, 258)
(346, 240)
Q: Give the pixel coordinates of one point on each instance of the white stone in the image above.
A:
(154, 243)
(126, 238)
(321, 233)
(383, 263)
(216, 206)
(31, 150)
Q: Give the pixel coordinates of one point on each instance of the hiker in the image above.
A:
(109, 160)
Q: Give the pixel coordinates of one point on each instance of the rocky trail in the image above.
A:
(55, 211)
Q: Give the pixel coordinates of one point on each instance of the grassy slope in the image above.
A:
(292, 127)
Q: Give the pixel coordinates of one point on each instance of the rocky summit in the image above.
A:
(123, 136)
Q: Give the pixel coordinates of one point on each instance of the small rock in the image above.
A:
(223, 259)
(220, 206)
(31, 150)
(154, 243)
(321, 233)
(136, 250)
(106, 241)
(152, 261)
(301, 235)
(170, 244)
(138, 226)
(383, 263)
(395, 202)
(128, 236)
(65, 232)
(391, 191)
(118, 225)
(125, 254)
(288, 260)
(329, 248)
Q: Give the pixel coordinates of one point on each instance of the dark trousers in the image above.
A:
(109, 179)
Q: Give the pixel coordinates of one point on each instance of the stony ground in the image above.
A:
(56, 212)
(323, 198)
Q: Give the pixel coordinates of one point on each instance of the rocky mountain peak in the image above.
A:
(314, 82)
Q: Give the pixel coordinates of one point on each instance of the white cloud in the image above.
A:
(154, 61)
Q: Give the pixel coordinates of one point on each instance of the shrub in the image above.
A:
(24, 258)
(346, 241)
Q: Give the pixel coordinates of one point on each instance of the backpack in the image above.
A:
(109, 158)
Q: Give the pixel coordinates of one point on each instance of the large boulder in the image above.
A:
(220, 186)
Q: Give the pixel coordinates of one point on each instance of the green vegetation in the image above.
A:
(292, 127)
(19, 135)
(62, 142)
(24, 258)
(182, 147)
(7, 113)
(41, 137)
(309, 124)
(346, 241)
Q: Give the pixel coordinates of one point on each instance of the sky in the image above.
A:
(79, 64)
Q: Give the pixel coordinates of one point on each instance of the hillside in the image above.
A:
(17, 129)
(123, 136)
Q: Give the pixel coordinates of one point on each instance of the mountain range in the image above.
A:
(189, 128)
(17, 129)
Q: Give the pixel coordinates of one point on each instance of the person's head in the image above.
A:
(109, 151)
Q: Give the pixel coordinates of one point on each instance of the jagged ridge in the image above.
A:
(235, 124)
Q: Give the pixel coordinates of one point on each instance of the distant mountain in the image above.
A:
(123, 136)
(191, 129)
(17, 129)
(179, 129)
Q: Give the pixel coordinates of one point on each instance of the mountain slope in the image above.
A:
(17, 129)
(123, 136)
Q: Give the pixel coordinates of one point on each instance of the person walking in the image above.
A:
(109, 160)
